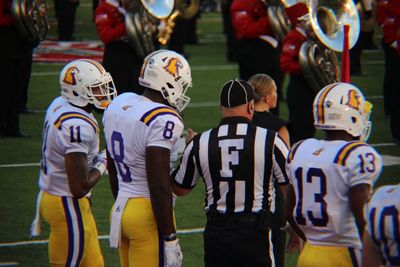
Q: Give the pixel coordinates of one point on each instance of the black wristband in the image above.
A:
(170, 237)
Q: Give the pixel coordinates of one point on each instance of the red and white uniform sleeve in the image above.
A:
(289, 59)
(249, 19)
(110, 21)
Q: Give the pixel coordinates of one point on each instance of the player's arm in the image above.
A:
(364, 165)
(370, 256)
(80, 179)
(159, 181)
(290, 203)
(112, 175)
(358, 196)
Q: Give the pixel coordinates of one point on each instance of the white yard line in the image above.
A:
(101, 237)
(9, 263)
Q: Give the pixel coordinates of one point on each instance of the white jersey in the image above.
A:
(67, 129)
(383, 222)
(131, 124)
(322, 173)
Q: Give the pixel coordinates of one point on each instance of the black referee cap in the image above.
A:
(235, 93)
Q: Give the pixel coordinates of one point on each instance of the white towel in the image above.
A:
(116, 216)
(35, 226)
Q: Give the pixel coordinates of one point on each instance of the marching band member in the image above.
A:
(120, 58)
(299, 94)
(389, 17)
(257, 48)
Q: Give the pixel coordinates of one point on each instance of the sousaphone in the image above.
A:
(150, 23)
(325, 28)
(31, 19)
(278, 19)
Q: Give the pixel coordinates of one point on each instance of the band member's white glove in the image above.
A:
(100, 162)
(173, 254)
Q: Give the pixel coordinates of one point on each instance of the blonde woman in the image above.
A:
(265, 99)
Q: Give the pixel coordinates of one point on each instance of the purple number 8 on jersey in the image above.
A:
(116, 137)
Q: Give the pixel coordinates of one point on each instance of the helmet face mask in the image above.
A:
(169, 73)
(342, 106)
(84, 82)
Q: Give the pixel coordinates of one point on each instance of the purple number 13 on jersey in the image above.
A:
(117, 143)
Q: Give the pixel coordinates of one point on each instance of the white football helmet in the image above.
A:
(85, 81)
(342, 106)
(169, 73)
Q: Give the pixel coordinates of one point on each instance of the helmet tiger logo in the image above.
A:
(69, 77)
(354, 100)
(173, 66)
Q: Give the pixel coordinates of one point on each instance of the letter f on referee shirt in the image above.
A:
(229, 155)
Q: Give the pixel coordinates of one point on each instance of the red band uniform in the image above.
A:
(388, 16)
(15, 69)
(120, 58)
(257, 48)
(299, 94)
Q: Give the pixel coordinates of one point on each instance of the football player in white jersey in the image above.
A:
(332, 178)
(71, 164)
(140, 132)
(381, 240)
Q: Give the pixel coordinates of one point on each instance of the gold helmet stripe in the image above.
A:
(320, 103)
(96, 64)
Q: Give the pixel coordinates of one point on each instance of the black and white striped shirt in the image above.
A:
(237, 161)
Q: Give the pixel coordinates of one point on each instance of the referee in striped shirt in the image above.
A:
(238, 162)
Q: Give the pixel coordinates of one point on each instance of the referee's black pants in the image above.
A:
(236, 244)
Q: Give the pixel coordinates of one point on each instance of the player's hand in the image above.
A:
(101, 162)
(189, 136)
(173, 253)
(295, 243)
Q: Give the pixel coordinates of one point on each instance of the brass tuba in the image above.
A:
(278, 19)
(150, 23)
(183, 9)
(31, 19)
(324, 26)
(142, 20)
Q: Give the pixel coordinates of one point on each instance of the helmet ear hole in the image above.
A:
(354, 119)
(75, 93)
(170, 86)
(164, 92)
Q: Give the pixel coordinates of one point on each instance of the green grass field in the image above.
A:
(18, 183)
